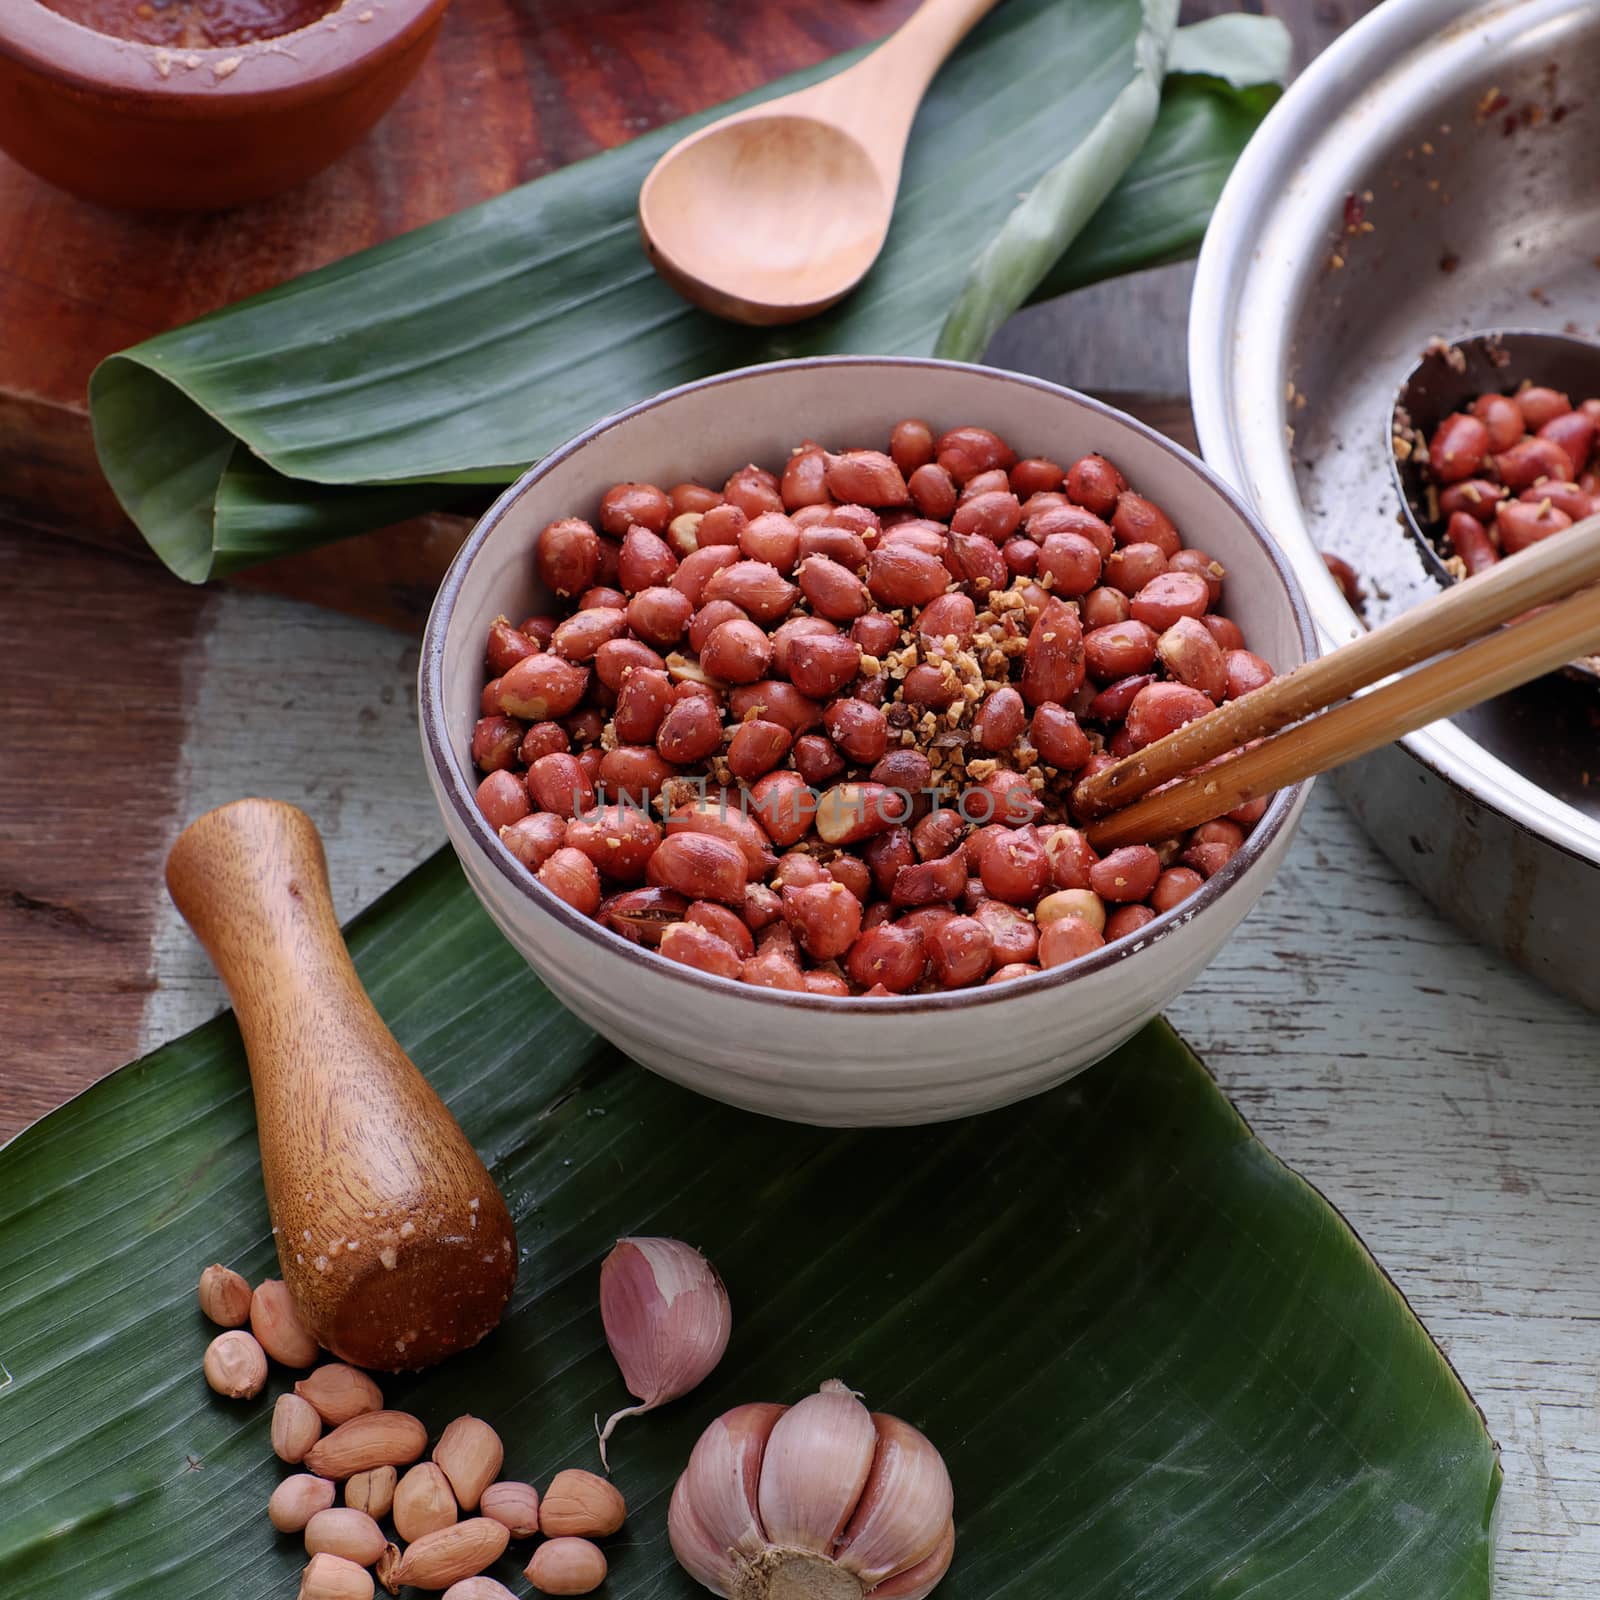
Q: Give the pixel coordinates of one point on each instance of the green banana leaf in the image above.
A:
(453, 355)
(1157, 1362)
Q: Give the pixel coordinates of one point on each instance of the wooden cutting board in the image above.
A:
(514, 89)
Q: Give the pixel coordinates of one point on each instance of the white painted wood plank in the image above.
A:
(1449, 1106)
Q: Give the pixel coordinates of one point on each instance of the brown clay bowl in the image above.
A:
(135, 125)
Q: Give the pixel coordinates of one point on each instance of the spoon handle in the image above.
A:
(390, 1232)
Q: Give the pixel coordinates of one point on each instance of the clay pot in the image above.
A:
(136, 125)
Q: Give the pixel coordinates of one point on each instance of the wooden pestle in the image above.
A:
(391, 1234)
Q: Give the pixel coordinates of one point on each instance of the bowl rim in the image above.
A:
(453, 782)
(64, 51)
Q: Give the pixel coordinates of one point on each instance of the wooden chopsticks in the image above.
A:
(1548, 572)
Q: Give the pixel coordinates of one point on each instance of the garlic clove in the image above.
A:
(917, 1582)
(904, 1509)
(667, 1320)
(698, 1554)
(814, 1469)
(724, 1475)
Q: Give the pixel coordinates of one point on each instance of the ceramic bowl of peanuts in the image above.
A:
(754, 715)
(820, 1500)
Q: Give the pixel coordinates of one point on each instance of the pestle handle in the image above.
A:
(391, 1234)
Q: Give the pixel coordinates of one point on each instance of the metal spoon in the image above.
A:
(773, 214)
(1448, 378)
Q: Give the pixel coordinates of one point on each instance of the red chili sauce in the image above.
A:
(193, 24)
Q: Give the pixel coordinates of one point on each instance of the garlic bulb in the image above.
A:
(667, 1320)
(818, 1501)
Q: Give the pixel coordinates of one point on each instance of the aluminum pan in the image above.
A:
(1476, 221)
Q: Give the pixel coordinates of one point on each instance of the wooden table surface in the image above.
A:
(1448, 1106)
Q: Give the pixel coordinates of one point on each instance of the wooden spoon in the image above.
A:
(774, 213)
(391, 1234)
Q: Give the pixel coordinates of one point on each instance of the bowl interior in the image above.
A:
(708, 430)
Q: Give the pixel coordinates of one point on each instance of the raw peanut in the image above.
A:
(1539, 405)
(542, 688)
(1093, 482)
(532, 840)
(423, 1502)
(950, 616)
(1476, 497)
(297, 1500)
(372, 1491)
(737, 651)
(805, 479)
(1000, 720)
(542, 739)
(1021, 557)
(295, 1427)
(1127, 919)
(833, 591)
(690, 731)
(585, 631)
(850, 812)
(1247, 672)
(340, 1392)
(572, 878)
(866, 477)
(721, 525)
(470, 1453)
(826, 917)
(911, 444)
(1081, 903)
(275, 1321)
(753, 490)
(1066, 941)
(224, 1297)
(1173, 887)
(1061, 743)
(1503, 419)
(507, 646)
(966, 451)
(898, 574)
(1133, 566)
(817, 760)
(1224, 630)
(439, 1559)
(1112, 703)
(695, 571)
(1566, 497)
(514, 1504)
(701, 866)
(721, 817)
(1202, 566)
(602, 595)
(960, 950)
(375, 1439)
(1012, 969)
(840, 545)
(1470, 540)
(995, 513)
(1162, 708)
(727, 924)
(331, 1577)
(772, 537)
(645, 561)
(642, 916)
(693, 946)
(504, 802)
(994, 481)
(756, 587)
(1458, 448)
(567, 556)
(1165, 598)
(566, 1566)
(1346, 576)
(1063, 518)
(478, 1589)
(618, 659)
(1036, 475)
(1126, 874)
(1070, 562)
(886, 854)
(495, 741)
(618, 839)
(932, 491)
(821, 665)
(1522, 523)
(756, 748)
(386, 1566)
(1531, 459)
(926, 883)
(971, 559)
(683, 533)
(1574, 432)
(579, 1502)
(1139, 521)
(937, 834)
(341, 1531)
(1053, 663)
(556, 783)
(235, 1365)
(773, 969)
(890, 955)
(1191, 656)
(1118, 649)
